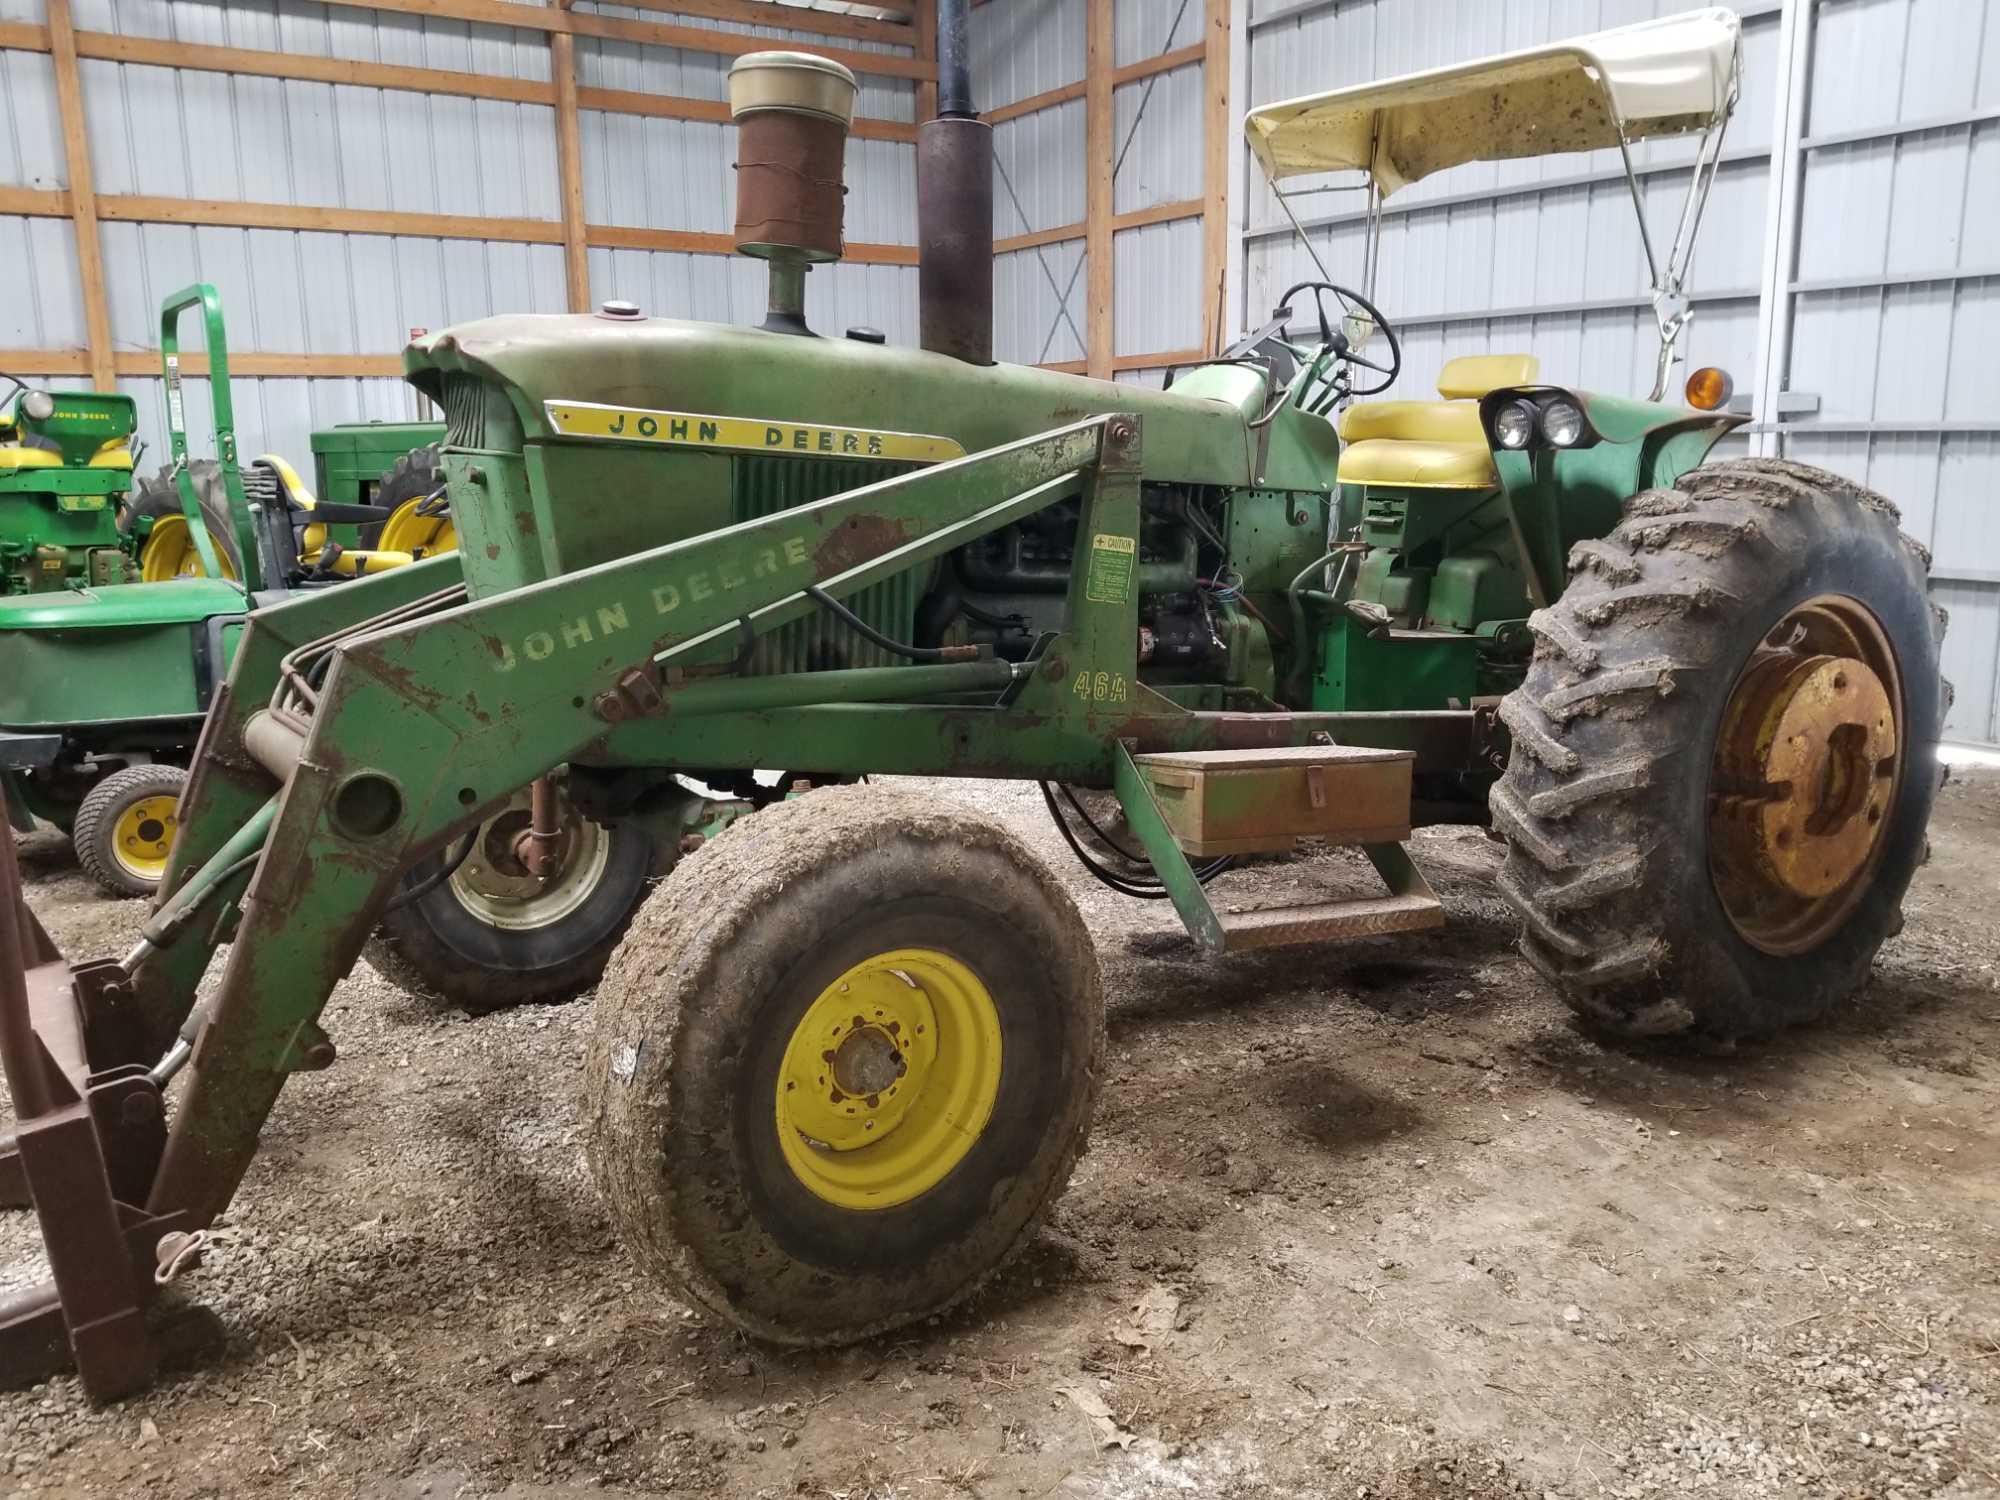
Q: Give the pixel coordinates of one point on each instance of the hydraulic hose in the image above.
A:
(241, 851)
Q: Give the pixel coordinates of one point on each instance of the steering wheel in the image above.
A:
(1339, 356)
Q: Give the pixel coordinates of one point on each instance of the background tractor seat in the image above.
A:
(19, 456)
(1431, 444)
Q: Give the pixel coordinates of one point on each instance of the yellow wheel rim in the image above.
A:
(144, 836)
(170, 553)
(418, 535)
(889, 1079)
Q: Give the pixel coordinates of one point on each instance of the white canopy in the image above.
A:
(1658, 78)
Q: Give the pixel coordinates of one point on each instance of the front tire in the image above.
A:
(490, 935)
(1724, 753)
(124, 828)
(843, 1064)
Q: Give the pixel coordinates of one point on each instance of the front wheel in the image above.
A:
(843, 1064)
(124, 828)
(1725, 753)
(490, 935)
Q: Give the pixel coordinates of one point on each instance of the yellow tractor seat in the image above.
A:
(1431, 444)
(12, 457)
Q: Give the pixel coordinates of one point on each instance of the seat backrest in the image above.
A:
(1471, 376)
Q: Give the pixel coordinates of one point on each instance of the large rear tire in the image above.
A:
(843, 1064)
(169, 551)
(1724, 753)
(408, 491)
(490, 935)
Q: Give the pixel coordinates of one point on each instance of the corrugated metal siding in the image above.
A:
(1894, 294)
(1039, 302)
(1021, 48)
(31, 153)
(1156, 288)
(1039, 181)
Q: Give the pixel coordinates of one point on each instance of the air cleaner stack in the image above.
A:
(792, 112)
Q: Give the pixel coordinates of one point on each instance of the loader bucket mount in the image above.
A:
(90, 1125)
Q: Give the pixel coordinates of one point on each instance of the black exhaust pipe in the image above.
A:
(955, 205)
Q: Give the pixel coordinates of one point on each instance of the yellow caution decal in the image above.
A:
(686, 429)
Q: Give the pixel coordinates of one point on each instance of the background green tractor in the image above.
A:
(847, 1054)
(121, 605)
(65, 468)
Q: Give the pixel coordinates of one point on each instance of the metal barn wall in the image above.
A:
(1852, 244)
(186, 134)
(1026, 49)
(1887, 294)
(1022, 48)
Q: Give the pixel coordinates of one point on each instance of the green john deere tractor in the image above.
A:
(846, 1055)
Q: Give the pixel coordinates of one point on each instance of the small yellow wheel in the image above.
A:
(842, 1063)
(889, 1078)
(125, 826)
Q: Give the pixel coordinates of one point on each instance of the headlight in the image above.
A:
(1514, 425)
(37, 406)
(1562, 423)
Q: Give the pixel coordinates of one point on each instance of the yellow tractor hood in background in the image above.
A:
(1672, 76)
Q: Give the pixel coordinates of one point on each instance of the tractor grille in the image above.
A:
(464, 411)
(765, 485)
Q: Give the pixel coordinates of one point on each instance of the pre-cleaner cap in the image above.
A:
(800, 82)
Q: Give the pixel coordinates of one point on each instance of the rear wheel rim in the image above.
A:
(170, 552)
(1808, 761)
(494, 886)
(889, 1079)
(143, 835)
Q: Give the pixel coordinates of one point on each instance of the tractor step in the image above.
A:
(1205, 803)
(1331, 921)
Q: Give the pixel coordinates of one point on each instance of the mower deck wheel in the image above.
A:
(843, 1064)
(124, 828)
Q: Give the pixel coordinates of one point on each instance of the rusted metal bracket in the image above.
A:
(87, 1144)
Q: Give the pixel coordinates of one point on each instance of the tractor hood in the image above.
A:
(120, 606)
(1197, 433)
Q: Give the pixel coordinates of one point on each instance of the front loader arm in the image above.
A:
(228, 786)
(418, 730)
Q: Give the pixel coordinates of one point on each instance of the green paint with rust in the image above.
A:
(605, 580)
(574, 503)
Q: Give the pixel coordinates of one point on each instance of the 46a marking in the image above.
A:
(1099, 687)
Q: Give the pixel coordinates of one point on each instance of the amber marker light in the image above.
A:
(1709, 388)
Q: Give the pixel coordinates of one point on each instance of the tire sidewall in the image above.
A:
(1707, 956)
(436, 948)
(686, 1144)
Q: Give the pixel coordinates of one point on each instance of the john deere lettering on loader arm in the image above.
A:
(846, 1055)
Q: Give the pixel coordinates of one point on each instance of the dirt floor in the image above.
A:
(1367, 1222)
